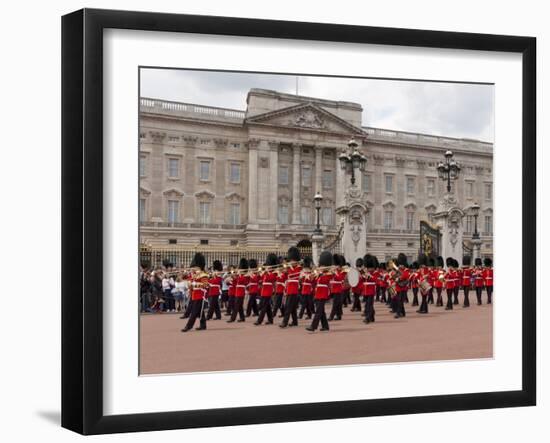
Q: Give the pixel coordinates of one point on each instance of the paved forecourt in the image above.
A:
(461, 333)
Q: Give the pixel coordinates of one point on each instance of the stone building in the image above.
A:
(228, 178)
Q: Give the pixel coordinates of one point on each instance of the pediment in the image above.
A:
(306, 116)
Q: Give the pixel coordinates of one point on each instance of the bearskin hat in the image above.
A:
(338, 260)
(326, 259)
(217, 265)
(422, 260)
(307, 262)
(271, 260)
(243, 263)
(450, 262)
(370, 261)
(376, 262)
(466, 260)
(478, 262)
(253, 263)
(457, 264)
(431, 262)
(198, 261)
(359, 263)
(414, 265)
(439, 261)
(402, 259)
(487, 262)
(382, 265)
(293, 254)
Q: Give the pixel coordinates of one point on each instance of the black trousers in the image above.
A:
(378, 290)
(188, 309)
(252, 305)
(431, 296)
(265, 309)
(320, 315)
(196, 311)
(291, 310)
(424, 304)
(489, 294)
(400, 311)
(214, 308)
(415, 297)
(439, 301)
(224, 298)
(479, 290)
(230, 305)
(369, 309)
(278, 305)
(307, 306)
(238, 309)
(346, 299)
(455, 301)
(356, 303)
(405, 296)
(336, 311)
(450, 293)
(466, 290)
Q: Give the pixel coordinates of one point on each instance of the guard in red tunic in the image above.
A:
(357, 289)
(382, 283)
(253, 289)
(337, 288)
(488, 278)
(199, 285)
(368, 282)
(430, 276)
(278, 304)
(401, 285)
(214, 291)
(414, 278)
(292, 287)
(322, 292)
(439, 280)
(306, 285)
(423, 280)
(450, 278)
(241, 282)
(268, 279)
(231, 282)
(466, 279)
(458, 281)
(479, 280)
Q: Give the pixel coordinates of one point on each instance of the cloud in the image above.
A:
(449, 109)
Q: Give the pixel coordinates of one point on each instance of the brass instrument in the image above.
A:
(391, 266)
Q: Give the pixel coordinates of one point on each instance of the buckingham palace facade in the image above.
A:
(227, 178)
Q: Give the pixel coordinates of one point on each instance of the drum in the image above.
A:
(353, 277)
(424, 286)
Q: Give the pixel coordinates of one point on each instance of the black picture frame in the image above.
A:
(82, 217)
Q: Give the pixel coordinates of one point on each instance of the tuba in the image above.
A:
(391, 266)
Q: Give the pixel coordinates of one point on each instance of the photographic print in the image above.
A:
(292, 221)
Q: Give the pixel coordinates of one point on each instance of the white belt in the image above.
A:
(369, 284)
(241, 286)
(321, 286)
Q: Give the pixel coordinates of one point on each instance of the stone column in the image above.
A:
(318, 169)
(476, 249)
(449, 219)
(274, 178)
(317, 241)
(342, 182)
(252, 185)
(296, 147)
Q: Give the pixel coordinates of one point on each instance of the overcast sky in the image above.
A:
(449, 109)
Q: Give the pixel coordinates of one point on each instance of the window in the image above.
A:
(173, 167)
(469, 223)
(488, 223)
(204, 212)
(388, 219)
(233, 242)
(306, 176)
(366, 183)
(389, 184)
(327, 216)
(410, 221)
(235, 173)
(410, 185)
(283, 175)
(327, 179)
(235, 213)
(283, 215)
(142, 166)
(141, 209)
(204, 241)
(172, 241)
(469, 189)
(305, 215)
(488, 191)
(204, 174)
(173, 211)
(431, 187)
(410, 244)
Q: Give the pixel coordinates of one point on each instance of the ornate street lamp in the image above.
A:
(475, 212)
(317, 200)
(448, 170)
(352, 159)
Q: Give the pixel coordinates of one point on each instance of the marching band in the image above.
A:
(294, 286)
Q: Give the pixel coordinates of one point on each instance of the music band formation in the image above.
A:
(292, 287)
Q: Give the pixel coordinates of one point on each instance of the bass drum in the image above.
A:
(353, 277)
